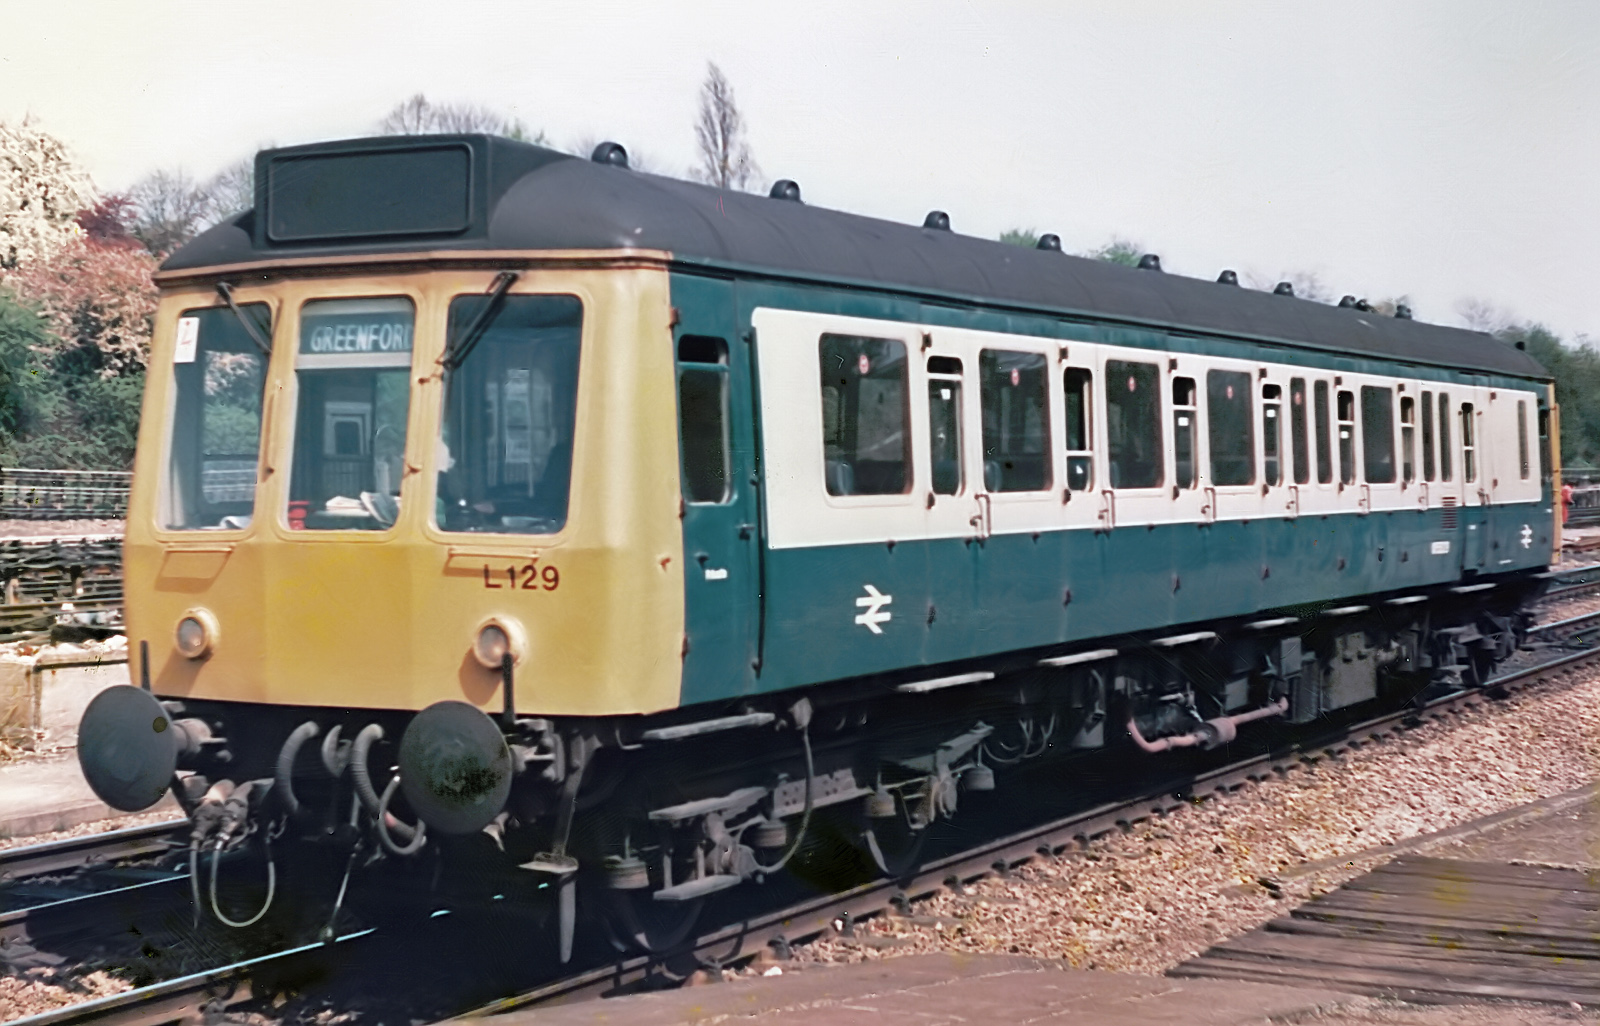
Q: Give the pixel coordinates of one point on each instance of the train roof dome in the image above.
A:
(411, 194)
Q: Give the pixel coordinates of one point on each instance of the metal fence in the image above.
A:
(63, 494)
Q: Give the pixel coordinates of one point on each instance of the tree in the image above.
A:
(41, 191)
(231, 190)
(1118, 251)
(1021, 237)
(170, 208)
(99, 303)
(419, 116)
(1307, 284)
(719, 132)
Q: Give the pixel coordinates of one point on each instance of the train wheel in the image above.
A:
(636, 922)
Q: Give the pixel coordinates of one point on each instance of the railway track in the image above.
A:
(773, 931)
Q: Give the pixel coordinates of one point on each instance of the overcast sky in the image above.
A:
(1440, 150)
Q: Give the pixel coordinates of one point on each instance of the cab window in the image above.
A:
(352, 379)
(218, 373)
(510, 408)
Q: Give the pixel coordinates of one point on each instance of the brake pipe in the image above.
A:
(284, 777)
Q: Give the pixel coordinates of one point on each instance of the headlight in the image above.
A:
(497, 637)
(197, 633)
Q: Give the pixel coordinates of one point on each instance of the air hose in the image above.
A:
(361, 776)
(284, 777)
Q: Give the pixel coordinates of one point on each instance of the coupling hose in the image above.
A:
(361, 776)
(284, 776)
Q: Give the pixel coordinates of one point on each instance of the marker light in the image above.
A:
(196, 634)
(496, 638)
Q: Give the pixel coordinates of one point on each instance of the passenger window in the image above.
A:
(703, 418)
(1427, 436)
(1271, 433)
(1016, 421)
(1522, 437)
(1445, 469)
(1133, 424)
(1079, 384)
(1469, 463)
(353, 383)
(1347, 437)
(1297, 430)
(510, 411)
(944, 423)
(1324, 451)
(865, 414)
(1184, 416)
(1377, 434)
(218, 376)
(1408, 439)
(1229, 428)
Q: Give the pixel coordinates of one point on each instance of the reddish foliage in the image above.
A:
(110, 221)
(100, 301)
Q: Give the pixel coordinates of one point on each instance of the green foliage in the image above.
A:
(1118, 251)
(54, 411)
(1577, 373)
(1021, 237)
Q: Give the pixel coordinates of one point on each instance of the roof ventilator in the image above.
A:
(937, 220)
(786, 189)
(610, 153)
(1283, 288)
(1150, 262)
(1402, 312)
(1347, 302)
(1228, 277)
(1050, 241)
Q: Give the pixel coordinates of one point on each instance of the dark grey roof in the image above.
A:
(529, 198)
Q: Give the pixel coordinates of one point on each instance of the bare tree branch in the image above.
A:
(719, 132)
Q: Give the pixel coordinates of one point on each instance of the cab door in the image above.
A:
(721, 520)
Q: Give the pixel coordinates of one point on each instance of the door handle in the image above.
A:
(981, 521)
(1208, 512)
(1108, 509)
(1364, 504)
(745, 531)
(1293, 505)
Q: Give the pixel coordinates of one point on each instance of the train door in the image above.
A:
(721, 521)
(1475, 477)
(957, 522)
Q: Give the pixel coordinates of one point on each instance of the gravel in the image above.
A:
(40, 990)
(1152, 898)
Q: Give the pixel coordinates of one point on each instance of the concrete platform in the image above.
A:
(41, 795)
(933, 990)
(1506, 909)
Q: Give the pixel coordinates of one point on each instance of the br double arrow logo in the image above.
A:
(873, 602)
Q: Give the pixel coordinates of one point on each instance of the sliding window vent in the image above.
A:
(1448, 520)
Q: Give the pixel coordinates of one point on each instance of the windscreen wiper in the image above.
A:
(250, 325)
(458, 349)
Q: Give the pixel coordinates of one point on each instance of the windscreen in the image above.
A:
(510, 407)
(352, 378)
(218, 374)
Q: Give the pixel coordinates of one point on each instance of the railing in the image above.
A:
(63, 494)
